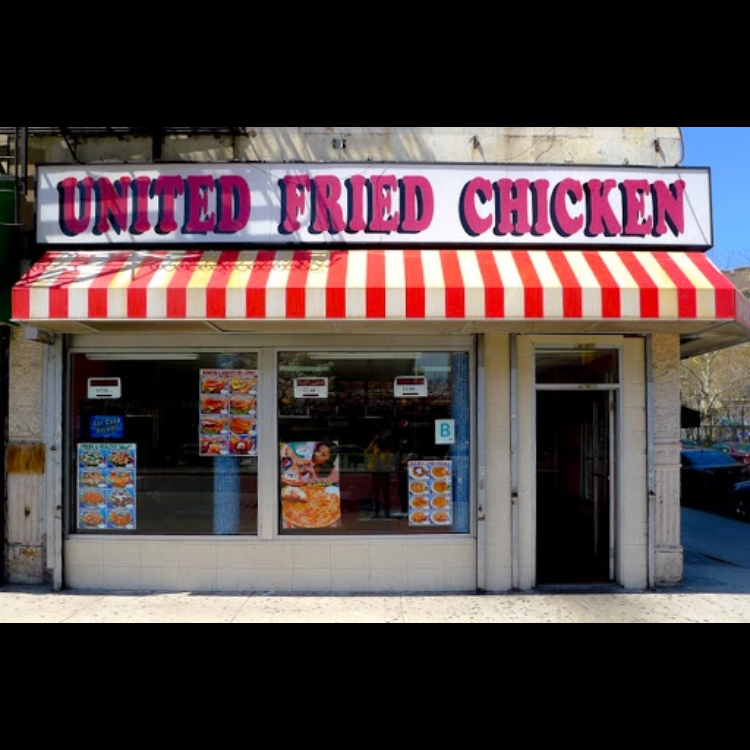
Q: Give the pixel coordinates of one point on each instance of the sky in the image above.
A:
(727, 152)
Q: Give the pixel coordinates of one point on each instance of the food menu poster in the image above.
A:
(431, 501)
(107, 498)
(228, 413)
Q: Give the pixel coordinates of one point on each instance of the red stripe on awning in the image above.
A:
(534, 292)
(296, 289)
(373, 285)
(687, 300)
(416, 296)
(649, 289)
(726, 296)
(376, 285)
(611, 293)
(258, 285)
(494, 294)
(455, 291)
(572, 289)
(336, 289)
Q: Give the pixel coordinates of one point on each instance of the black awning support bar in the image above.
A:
(72, 144)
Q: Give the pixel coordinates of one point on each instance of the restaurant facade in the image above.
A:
(409, 362)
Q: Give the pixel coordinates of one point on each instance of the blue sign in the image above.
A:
(107, 428)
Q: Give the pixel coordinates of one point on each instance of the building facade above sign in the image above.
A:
(375, 204)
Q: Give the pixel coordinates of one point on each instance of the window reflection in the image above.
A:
(177, 489)
(377, 415)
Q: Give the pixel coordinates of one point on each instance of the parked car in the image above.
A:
(740, 451)
(739, 503)
(709, 477)
(689, 444)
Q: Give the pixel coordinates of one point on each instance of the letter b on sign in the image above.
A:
(445, 432)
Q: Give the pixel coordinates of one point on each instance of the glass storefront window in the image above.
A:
(165, 444)
(374, 443)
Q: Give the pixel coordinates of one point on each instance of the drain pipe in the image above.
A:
(651, 438)
(482, 468)
(515, 510)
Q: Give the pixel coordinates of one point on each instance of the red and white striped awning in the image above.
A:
(375, 285)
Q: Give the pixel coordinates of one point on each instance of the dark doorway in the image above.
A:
(4, 404)
(574, 503)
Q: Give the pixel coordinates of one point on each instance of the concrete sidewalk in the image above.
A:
(716, 590)
(23, 605)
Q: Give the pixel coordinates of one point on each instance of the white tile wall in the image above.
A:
(251, 566)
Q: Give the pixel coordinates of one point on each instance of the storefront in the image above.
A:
(369, 378)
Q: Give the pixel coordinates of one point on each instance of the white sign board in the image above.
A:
(445, 432)
(375, 204)
(311, 388)
(411, 386)
(105, 389)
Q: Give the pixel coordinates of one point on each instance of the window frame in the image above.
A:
(268, 349)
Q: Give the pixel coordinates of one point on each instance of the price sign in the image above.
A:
(412, 387)
(311, 388)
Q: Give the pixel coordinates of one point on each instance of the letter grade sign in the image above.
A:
(375, 204)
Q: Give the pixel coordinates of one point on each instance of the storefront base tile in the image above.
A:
(240, 566)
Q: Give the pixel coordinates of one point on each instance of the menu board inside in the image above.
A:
(229, 413)
(107, 494)
(430, 493)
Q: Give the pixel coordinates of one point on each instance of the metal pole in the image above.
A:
(24, 159)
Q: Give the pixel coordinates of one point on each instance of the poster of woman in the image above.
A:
(310, 486)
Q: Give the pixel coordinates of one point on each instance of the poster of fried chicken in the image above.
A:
(228, 413)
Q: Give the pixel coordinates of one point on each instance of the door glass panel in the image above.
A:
(578, 367)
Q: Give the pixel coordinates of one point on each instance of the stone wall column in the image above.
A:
(26, 553)
(669, 553)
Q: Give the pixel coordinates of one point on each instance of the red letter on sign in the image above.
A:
(383, 218)
(566, 224)
(294, 190)
(141, 190)
(167, 189)
(417, 205)
(669, 201)
(235, 204)
(602, 218)
(199, 221)
(70, 190)
(328, 216)
(357, 190)
(637, 224)
(513, 202)
(540, 191)
(477, 190)
(113, 202)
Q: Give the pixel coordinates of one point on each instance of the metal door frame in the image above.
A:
(616, 421)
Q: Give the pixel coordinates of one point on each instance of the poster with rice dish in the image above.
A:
(107, 487)
(430, 494)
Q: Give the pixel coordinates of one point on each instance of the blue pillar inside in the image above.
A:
(227, 482)
(461, 451)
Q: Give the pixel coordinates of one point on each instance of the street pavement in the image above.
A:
(716, 590)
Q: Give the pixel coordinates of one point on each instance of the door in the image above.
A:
(575, 465)
(4, 406)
